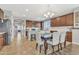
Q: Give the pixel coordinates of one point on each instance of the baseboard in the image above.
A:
(75, 43)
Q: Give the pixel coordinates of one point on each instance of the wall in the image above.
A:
(75, 36)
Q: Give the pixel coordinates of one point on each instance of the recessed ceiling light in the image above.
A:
(27, 10)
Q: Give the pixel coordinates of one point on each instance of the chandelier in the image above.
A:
(48, 13)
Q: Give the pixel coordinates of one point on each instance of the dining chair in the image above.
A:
(39, 41)
(62, 39)
(55, 40)
(46, 36)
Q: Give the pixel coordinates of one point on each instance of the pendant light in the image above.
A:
(49, 13)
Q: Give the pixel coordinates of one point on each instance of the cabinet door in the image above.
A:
(38, 24)
(69, 20)
(29, 23)
(62, 20)
(66, 20)
(69, 36)
(59, 21)
(55, 22)
(1, 41)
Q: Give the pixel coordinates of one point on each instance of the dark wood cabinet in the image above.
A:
(33, 24)
(52, 22)
(69, 36)
(55, 22)
(28, 23)
(69, 19)
(66, 20)
(62, 20)
(37, 24)
(2, 40)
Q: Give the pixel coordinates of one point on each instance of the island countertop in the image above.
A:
(2, 32)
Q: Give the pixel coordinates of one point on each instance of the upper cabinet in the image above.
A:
(66, 20)
(62, 20)
(33, 24)
(69, 19)
(28, 23)
(38, 24)
(1, 13)
(55, 22)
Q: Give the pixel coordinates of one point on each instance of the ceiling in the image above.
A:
(36, 11)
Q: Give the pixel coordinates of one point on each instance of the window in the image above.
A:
(46, 24)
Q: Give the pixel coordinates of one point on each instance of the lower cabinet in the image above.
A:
(2, 42)
(69, 36)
